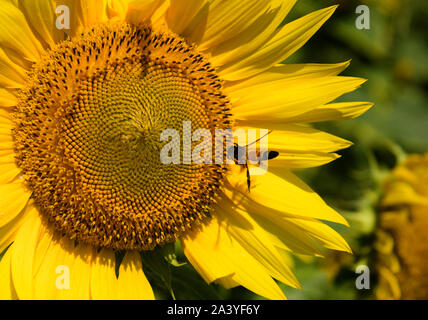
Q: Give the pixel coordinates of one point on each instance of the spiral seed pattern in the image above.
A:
(87, 136)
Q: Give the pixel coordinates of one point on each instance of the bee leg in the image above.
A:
(248, 177)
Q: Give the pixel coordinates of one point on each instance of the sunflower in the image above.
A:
(82, 110)
(401, 244)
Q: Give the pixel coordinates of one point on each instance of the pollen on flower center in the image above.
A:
(88, 128)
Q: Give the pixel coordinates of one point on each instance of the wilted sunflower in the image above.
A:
(401, 246)
(81, 116)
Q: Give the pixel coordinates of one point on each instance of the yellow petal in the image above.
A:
(104, 284)
(181, 13)
(9, 231)
(5, 128)
(253, 37)
(76, 20)
(304, 231)
(332, 112)
(43, 246)
(288, 99)
(299, 146)
(301, 160)
(41, 16)
(6, 142)
(283, 44)
(7, 99)
(286, 194)
(229, 18)
(143, 10)
(24, 248)
(292, 72)
(8, 172)
(6, 122)
(7, 291)
(289, 137)
(117, 8)
(285, 234)
(16, 35)
(93, 11)
(12, 76)
(7, 158)
(63, 260)
(326, 235)
(216, 255)
(158, 18)
(292, 231)
(132, 283)
(13, 199)
(255, 241)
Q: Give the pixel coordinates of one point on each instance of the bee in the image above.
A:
(237, 150)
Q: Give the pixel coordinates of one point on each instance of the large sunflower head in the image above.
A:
(401, 244)
(84, 107)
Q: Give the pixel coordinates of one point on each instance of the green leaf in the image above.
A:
(158, 264)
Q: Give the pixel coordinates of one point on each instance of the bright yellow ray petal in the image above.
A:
(288, 99)
(304, 229)
(7, 99)
(24, 248)
(326, 235)
(299, 146)
(334, 111)
(284, 234)
(292, 72)
(252, 38)
(9, 231)
(302, 160)
(292, 229)
(117, 8)
(181, 13)
(6, 142)
(216, 255)
(16, 35)
(255, 241)
(144, 10)
(290, 137)
(132, 283)
(7, 291)
(198, 248)
(61, 256)
(286, 193)
(158, 18)
(6, 120)
(76, 21)
(41, 16)
(93, 11)
(8, 170)
(5, 129)
(229, 18)
(11, 76)
(6, 126)
(104, 284)
(287, 41)
(42, 248)
(13, 199)
(14, 2)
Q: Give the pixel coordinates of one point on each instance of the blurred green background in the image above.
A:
(392, 55)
